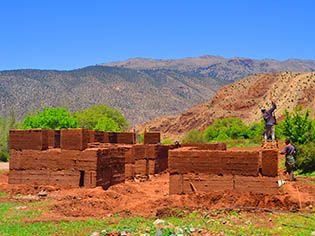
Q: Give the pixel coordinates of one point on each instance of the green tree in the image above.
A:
(194, 136)
(6, 123)
(227, 128)
(50, 118)
(90, 117)
(298, 126)
(106, 124)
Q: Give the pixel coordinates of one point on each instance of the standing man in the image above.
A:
(289, 152)
(270, 121)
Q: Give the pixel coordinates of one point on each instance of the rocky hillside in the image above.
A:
(142, 88)
(140, 95)
(243, 99)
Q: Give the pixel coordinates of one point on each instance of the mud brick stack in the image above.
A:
(92, 136)
(70, 166)
(146, 160)
(157, 158)
(193, 170)
(152, 138)
(206, 146)
(74, 139)
(269, 162)
(129, 164)
(140, 165)
(36, 139)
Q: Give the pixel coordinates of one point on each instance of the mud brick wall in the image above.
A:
(214, 162)
(36, 139)
(74, 139)
(207, 146)
(147, 159)
(68, 168)
(152, 138)
(207, 170)
(269, 162)
(92, 136)
(53, 167)
(53, 138)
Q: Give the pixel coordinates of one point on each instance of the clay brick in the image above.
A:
(213, 162)
(74, 139)
(126, 138)
(141, 167)
(269, 163)
(256, 184)
(36, 139)
(92, 136)
(152, 138)
(176, 184)
(129, 171)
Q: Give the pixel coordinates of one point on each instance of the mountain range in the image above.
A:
(142, 89)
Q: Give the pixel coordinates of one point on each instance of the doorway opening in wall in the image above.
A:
(81, 183)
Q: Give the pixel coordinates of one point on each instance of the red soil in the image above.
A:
(151, 198)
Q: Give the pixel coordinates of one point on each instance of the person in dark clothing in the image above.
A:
(270, 122)
(289, 152)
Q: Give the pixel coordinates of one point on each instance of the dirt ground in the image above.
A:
(151, 198)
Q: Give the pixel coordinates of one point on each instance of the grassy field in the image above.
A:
(24, 219)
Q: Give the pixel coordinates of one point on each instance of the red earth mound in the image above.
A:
(151, 198)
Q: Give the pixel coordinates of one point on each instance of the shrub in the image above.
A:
(194, 136)
(106, 124)
(50, 118)
(227, 128)
(298, 127)
(167, 141)
(306, 158)
(92, 116)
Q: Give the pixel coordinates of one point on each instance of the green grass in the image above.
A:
(23, 219)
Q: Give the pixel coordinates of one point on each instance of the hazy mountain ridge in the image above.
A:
(141, 95)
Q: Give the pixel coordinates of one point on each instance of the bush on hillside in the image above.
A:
(227, 128)
(306, 158)
(6, 123)
(107, 124)
(94, 117)
(50, 118)
(194, 136)
(298, 126)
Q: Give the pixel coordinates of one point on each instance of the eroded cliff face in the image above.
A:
(243, 99)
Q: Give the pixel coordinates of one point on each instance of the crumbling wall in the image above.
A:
(211, 170)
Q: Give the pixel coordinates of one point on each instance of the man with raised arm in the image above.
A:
(270, 122)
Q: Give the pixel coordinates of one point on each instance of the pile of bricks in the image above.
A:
(35, 139)
(112, 137)
(70, 166)
(146, 160)
(212, 170)
(152, 138)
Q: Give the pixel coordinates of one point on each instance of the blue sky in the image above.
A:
(55, 34)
